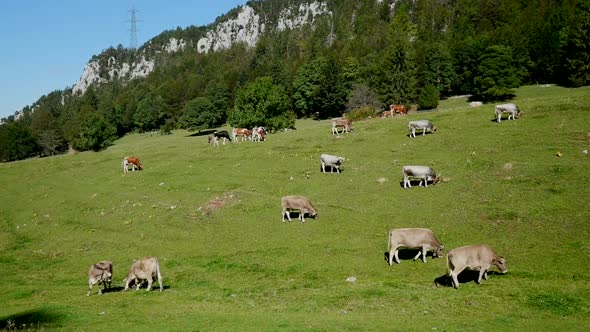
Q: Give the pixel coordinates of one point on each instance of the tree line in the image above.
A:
(364, 55)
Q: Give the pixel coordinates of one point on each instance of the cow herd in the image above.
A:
(144, 269)
(473, 257)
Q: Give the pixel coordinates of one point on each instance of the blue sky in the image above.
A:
(45, 44)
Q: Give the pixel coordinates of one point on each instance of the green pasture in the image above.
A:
(212, 217)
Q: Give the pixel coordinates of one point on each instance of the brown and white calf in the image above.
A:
(144, 269)
(413, 238)
(133, 161)
(341, 122)
(424, 125)
(101, 273)
(300, 203)
(398, 109)
(245, 133)
(478, 257)
(258, 134)
(510, 108)
(424, 173)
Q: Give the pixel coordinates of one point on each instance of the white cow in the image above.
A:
(101, 273)
(475, 257)
(510, 108)
(300, 203)
(424, 173)
(475, 104)
(414, 238)
(423, 125)
(144, 269)
(332, 161)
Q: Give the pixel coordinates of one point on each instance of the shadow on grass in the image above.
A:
(295, 215)
(33, 319)
(202, 133)
(464, 277)
(331, 169)
(415, 183)
(409, 254)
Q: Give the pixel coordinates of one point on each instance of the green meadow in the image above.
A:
(212, 217)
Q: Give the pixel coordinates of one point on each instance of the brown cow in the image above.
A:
(414, 238)
(475, 257)
(341, 122)
(144, 269)
(398, 109)
(101, 273)
(133, 161)
(300, 203)
(245, 133)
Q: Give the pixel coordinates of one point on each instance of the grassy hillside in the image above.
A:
(212, 217)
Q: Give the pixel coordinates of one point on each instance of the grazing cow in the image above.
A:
(332, 161)
(133, 161)
(101, 273)
(424, 173)
(341, 122)
(475, 104)
(423, 125)
(414, 238)
(144, 269)
(475, 257)
(217, 135)
(511, 109)
(300, 203)
(386, 114)
(245, 133)
(398, 109)
(258, 134)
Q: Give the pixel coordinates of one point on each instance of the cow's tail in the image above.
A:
(160, 281)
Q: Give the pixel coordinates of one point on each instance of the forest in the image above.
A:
(363, 56)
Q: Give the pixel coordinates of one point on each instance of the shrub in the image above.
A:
(361, 113)
(428, 98)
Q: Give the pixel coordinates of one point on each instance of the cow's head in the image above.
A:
(519, 114)
(209, 139)
(500, 262)
(436, 179)
(438, 251)
(434, 129)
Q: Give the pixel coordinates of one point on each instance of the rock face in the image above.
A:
(246, 28)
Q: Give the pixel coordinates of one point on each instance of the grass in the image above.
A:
(212, 217)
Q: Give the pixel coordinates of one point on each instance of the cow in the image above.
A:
(475, 104)
(300, 203)
(217, 135)
(144, 269)
(398, 109)
(510, 108)
(133, 161)
(424, 173)
(474, 257)
(332, 161)
(386, 114)
(423, 125)
(258, 134)
(101, 273)
(341, 122)
(245, 133)
(413, 238)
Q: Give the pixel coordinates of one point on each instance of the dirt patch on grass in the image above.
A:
(507, 167)
(216, 203)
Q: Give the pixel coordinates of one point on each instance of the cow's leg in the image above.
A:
(424, 132)
(89, 288)
(224, 139)
(301, 215)
(482, 271)
(288, 215)
(150, 281)
(485, 274)
(396, 254)
(127, 281)
(417, 255)
(424, 254)
(338, 169)
(426, 182)
(323, 167)
(390, 261)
